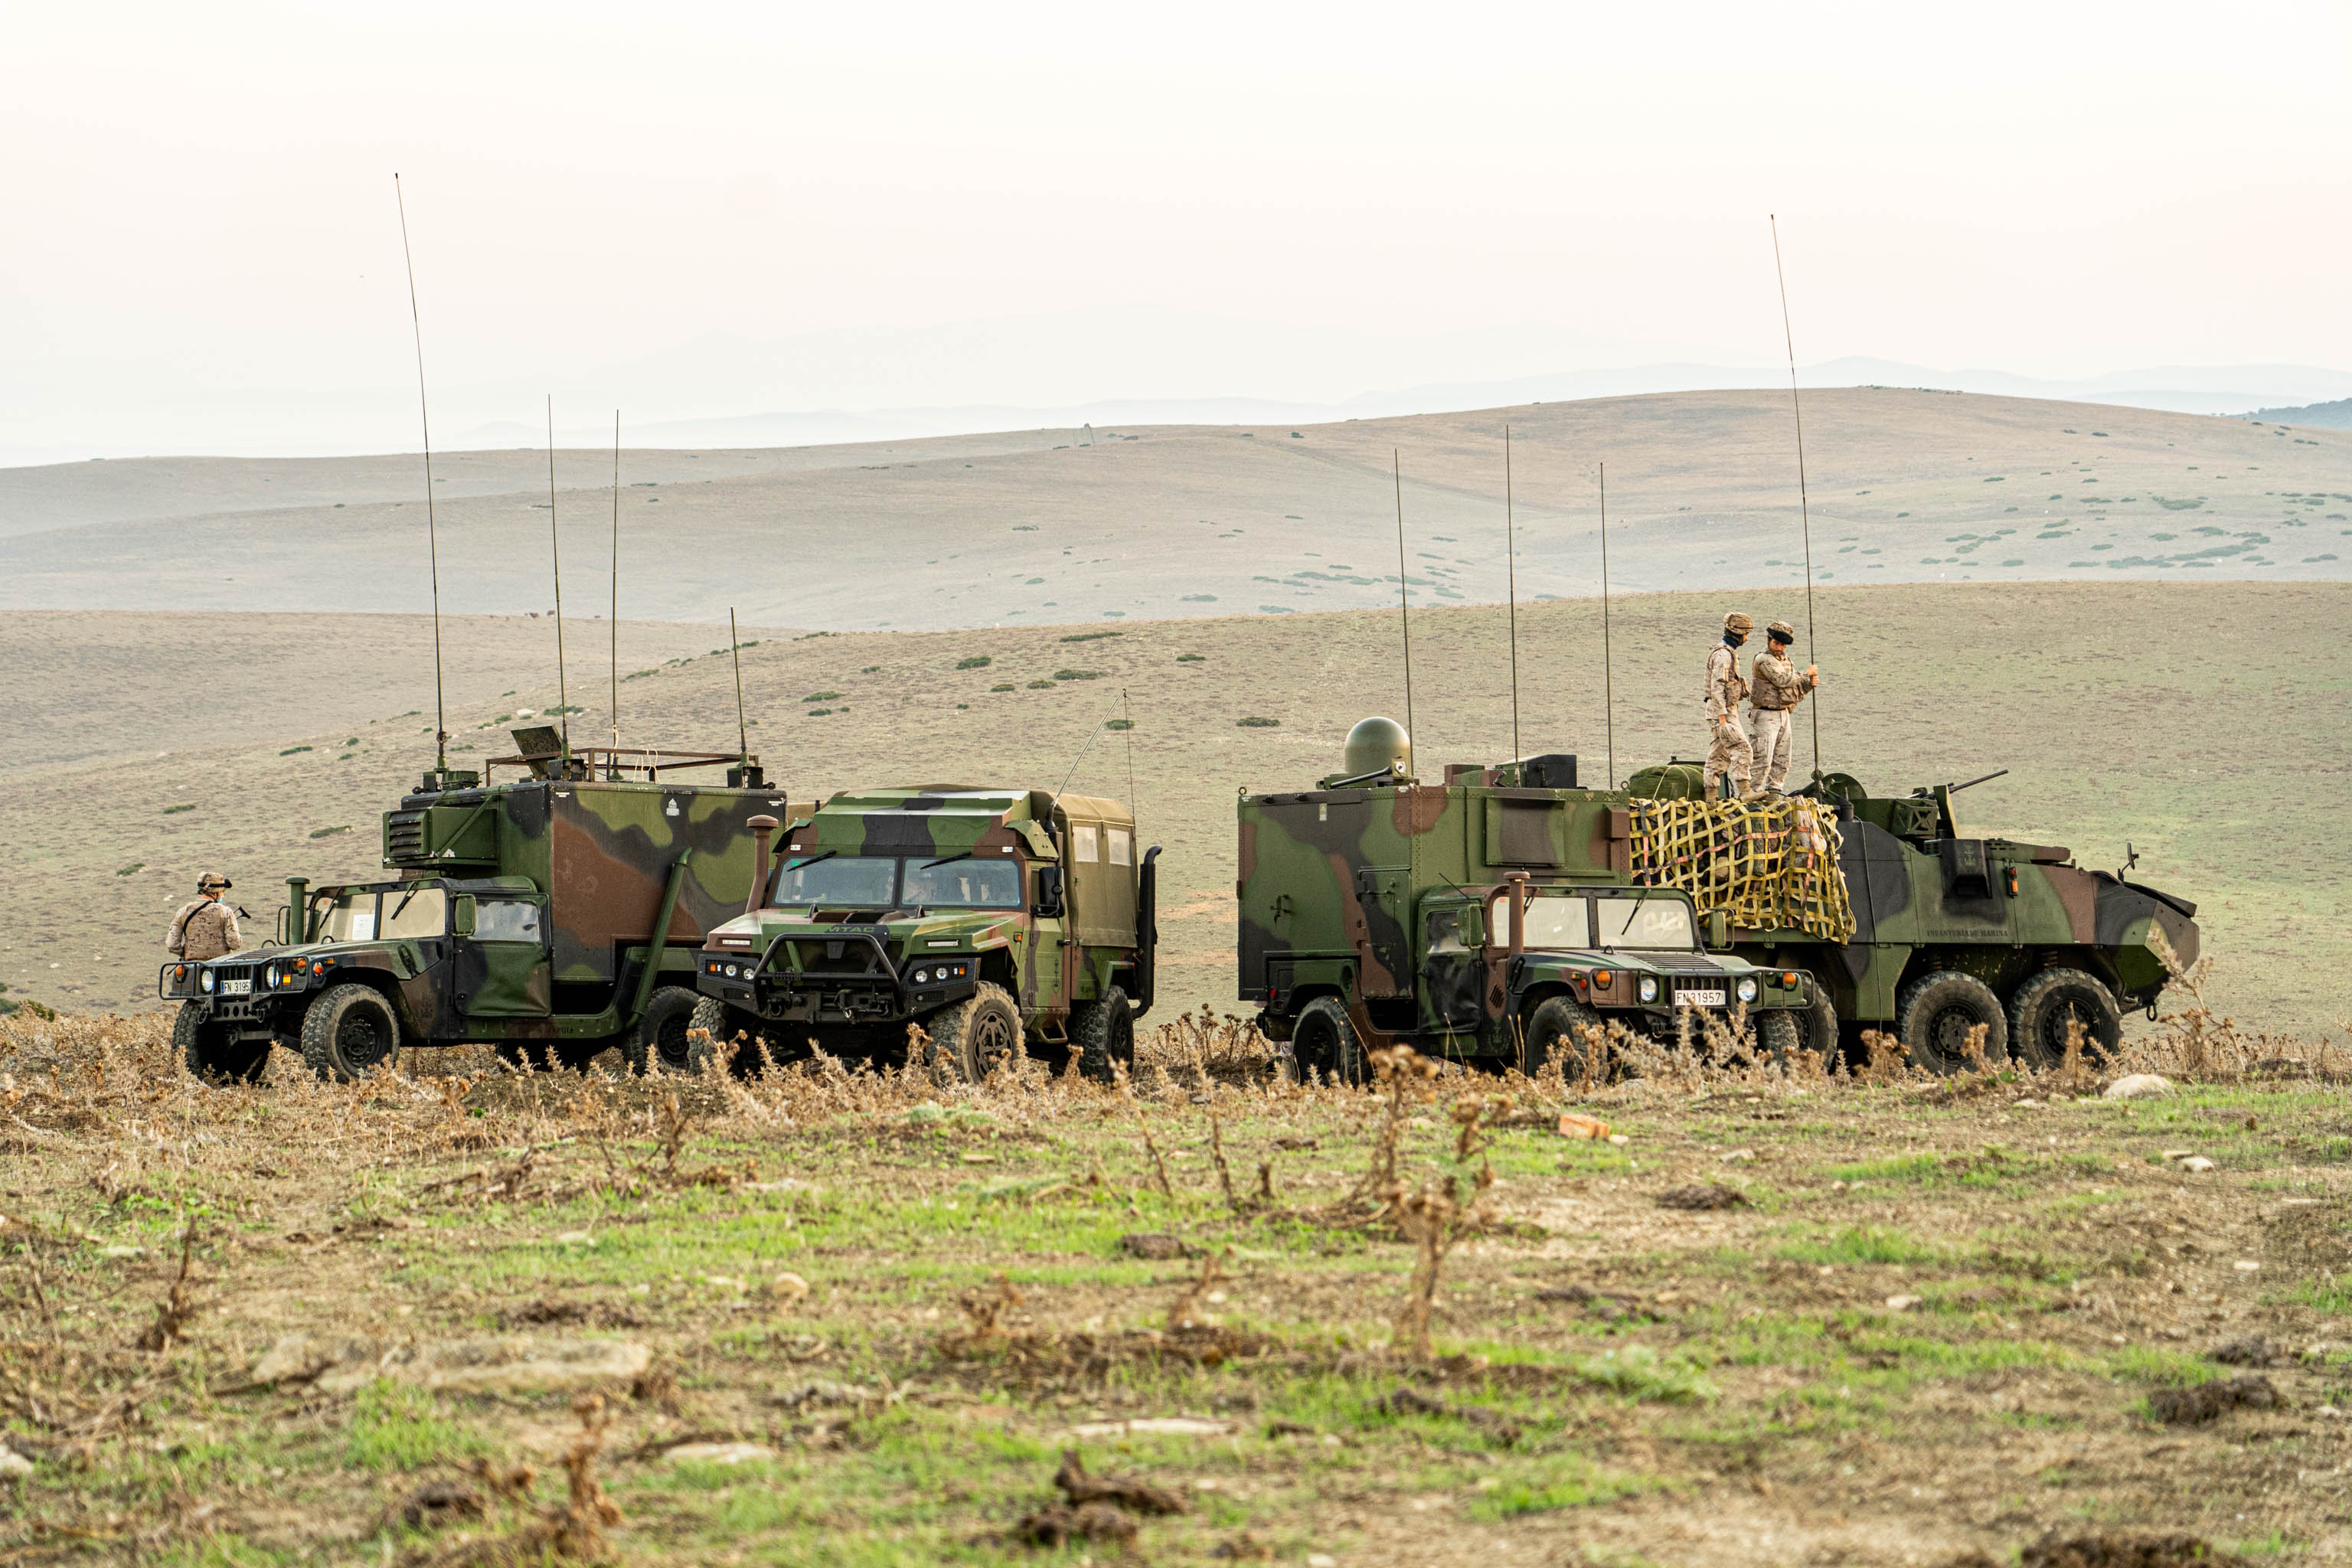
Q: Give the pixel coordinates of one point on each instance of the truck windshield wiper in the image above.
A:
(1638, 900)
(944, 860)
(811, 859)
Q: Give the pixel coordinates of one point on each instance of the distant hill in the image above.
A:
(2336, 416)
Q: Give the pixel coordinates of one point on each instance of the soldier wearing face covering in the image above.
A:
(1728, 757)
(205, 927)
(1777, 689)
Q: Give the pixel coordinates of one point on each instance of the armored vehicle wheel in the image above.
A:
(1820, 1021)
(349, 1030)
(546, 1055)
(1935, 1012)
(971, 1039)
(1551, 1034)
(661, 1039)
(209, 1053)
(2039, 1011)
(1325, 1040)
(1102, 1033)
(1779, 1036)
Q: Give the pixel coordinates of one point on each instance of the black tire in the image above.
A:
(2039, 1011)
(1934, 1014)
(1780, 1034)
(210, 1052)
(350, 1030)
(1820, 1022)
(1102, 1033)
(975, 1037)
(723, 1024)
(1553, 1032)
(663, 1037)
(1325, 1040)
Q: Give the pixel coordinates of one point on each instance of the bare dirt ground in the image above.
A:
(1155, 522)
(451, 1315)
(2205, 724)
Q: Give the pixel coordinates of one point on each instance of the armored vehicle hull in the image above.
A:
(555, 917)
(992, 919)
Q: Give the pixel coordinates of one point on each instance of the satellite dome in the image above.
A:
(1376, 743)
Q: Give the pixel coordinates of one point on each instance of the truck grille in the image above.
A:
(404, 836)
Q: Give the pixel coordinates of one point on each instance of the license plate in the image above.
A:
(1698, 998)
(237, 987)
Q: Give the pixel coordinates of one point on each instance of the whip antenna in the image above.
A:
(735, 651)
(555, 543)
(432, 535)
(612, 630)
(1805, 514)
(1405, 605)
(1608, 664)
(1126, 723)
(1511, 561)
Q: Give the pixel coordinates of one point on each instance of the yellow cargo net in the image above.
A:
(1768, 865)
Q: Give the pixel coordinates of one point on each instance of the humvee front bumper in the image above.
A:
(247, 994)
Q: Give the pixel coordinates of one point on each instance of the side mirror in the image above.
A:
(1719, 930)
(282, 912)
(1049, 890)
(461, 915)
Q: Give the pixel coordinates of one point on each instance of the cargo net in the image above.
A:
(1768, 865)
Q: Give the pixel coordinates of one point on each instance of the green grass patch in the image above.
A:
(1859, 1244)
(976, 661)
(395, 1426)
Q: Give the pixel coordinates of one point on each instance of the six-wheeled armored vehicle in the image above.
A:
(556, 914)
(994, 920)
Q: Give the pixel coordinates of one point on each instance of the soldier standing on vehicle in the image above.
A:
(1728, 754)
(205, 928)
(1777, 689)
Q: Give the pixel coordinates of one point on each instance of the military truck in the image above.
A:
(994, 918)
(556, 914)
(1952, 928)
(1484, 919)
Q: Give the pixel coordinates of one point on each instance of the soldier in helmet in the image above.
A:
(1728, 754)
(1774, 694)
(205, 928)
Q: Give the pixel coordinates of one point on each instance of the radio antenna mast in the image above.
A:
(432, 535)
(1607, 663)
(1804, 511)
(555, 543)
(1127, 724)
(743, 730)
(1511, 560)
(612, 630)
(1404, 604)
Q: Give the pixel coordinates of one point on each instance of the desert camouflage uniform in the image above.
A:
(1779, 686)
(1727, 753)
(203, 929)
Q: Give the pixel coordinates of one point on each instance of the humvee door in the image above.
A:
(502, 968)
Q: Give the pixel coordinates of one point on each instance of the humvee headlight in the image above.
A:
(1648, 989)
(921, 975)
(273, 976)
(1746, 989)
(205, 982)
(733, 971)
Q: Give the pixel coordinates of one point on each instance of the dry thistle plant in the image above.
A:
(1434, 1219)
(172, 1318)
(1225, 1172)
(1183, 1312)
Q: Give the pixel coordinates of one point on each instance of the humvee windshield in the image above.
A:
(345, 916)
(1654, 922)
(880, 882)
(365, 914)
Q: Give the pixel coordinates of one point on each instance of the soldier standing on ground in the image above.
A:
(1775, 693)
(205, 928)
(1728, 754)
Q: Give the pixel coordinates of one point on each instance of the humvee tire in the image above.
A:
(207, 1053)
(1934, 1014)
(347, 1031)
(1551, 1032)
(661, 1037)
(1102, 1033)
(971, 1038)
(2039, 1011)
(1779, 1036)
(1325, 1040)
(1821, 1024)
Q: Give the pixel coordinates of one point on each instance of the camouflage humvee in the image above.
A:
(1484, 919)
(556, 915)
(1953, 929)
(994, 918)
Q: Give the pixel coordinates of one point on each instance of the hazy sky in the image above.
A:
(199, 201)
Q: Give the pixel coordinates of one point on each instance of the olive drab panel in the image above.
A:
(502, 969)
(1100, 866)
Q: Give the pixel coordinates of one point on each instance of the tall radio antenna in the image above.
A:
(432, 533)
(1404, 600)
(1804, 511)
(1608, 662)
(612, 616)
(1511, 561)
(555, 542)
(743, 730)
